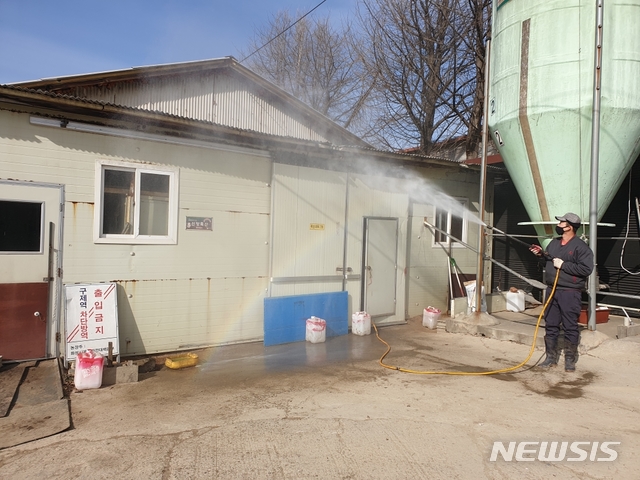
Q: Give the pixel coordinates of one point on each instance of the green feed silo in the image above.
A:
(541, 99)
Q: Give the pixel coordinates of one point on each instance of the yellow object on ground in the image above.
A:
(183, 361)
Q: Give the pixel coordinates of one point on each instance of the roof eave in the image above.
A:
(53, 106)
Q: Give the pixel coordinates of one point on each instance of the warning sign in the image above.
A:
(91, 318)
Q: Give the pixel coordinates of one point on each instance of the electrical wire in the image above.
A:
(284, 31)
(626, 235)
(490, 372)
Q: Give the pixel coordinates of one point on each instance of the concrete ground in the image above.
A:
(32, 403)
(331, 411)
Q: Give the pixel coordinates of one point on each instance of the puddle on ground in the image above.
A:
(419, 346)
(572, 388)
(552, 383)
(570, 385)
(505, 377)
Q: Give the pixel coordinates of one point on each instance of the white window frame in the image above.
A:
(452, 243)
(135, 238)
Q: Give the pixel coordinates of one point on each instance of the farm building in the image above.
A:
(199, 190)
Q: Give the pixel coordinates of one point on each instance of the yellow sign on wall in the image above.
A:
(316, 226)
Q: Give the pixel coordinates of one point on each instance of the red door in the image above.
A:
(23, 325)
(29, 218)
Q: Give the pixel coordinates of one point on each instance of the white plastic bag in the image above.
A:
(470, 287)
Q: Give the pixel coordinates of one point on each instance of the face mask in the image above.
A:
(560, 230)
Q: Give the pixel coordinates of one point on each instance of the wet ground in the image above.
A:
(331, 411)
(31, 402)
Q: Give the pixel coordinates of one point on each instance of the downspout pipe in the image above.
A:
(483, 182)
(345, 240)
(595, 158)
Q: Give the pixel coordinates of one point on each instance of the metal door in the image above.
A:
(379, 266)
(29, 216)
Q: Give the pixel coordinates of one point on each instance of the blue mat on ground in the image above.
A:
(285, 318)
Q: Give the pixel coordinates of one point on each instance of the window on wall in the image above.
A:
(135, 203)
(450, 220)
(21, 226)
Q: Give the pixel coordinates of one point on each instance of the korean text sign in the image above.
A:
(91, 318)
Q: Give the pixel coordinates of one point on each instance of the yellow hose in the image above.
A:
(491, 372)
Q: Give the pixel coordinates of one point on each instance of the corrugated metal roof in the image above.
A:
(58, 96)
(220, 91)
(18, 95)
(243, 102)
(147, 71)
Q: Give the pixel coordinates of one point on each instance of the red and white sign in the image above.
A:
(91, 318)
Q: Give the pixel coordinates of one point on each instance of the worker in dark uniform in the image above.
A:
(574, 259)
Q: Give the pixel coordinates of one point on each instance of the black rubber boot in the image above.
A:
(551, 346)
(570, 357)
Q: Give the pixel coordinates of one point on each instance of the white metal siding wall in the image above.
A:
(428, 275)
(216, 98)
(206, 290)
(429, 270)
(305, 196)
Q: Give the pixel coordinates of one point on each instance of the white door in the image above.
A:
(380, 266)
(29, 221)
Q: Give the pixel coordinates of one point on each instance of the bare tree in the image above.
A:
(314, 62)
(428, 59)
(411, 76)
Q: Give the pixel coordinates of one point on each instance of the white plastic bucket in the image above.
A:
(361, 323)
(430, 317)
(88, 373)
(316, 330)
(515, 301)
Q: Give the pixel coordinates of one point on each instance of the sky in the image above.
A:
(44, 38)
